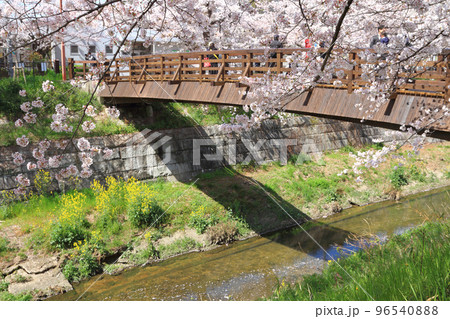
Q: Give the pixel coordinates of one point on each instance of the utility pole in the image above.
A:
(63, 51)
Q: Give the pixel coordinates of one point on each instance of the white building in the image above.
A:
(78, 48)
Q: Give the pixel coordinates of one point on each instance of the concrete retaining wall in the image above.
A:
(141, 156)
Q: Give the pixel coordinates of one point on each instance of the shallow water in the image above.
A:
(249, 269)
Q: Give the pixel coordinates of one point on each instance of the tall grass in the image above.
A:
(411, 266)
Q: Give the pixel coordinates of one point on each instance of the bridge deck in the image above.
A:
(188, 77)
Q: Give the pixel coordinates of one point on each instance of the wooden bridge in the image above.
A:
(192, 77)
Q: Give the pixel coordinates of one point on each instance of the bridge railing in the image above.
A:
(218, 67)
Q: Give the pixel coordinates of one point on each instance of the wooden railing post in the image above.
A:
(129, 70)
(279, 62)
(162, 68)
(223, 65)
(181, 68)
(71, 67)
(447, 81)
(145, 68)
(201, 69)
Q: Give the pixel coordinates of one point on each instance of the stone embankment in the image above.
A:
(175, 153)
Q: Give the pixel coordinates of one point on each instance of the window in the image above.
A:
(108, 49)
(92, 49)
(74, 49)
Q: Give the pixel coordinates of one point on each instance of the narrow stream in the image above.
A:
(249, 269)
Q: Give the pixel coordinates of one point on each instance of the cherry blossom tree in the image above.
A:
(418, 29)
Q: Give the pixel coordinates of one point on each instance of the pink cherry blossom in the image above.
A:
(22, 180)
(18, 123)
(22, 141)
(113, 112)
(86, 159)
(30, 118)
(31, 166)
(88, 126)
(38, 103)
(54, 161)
(38, 154)
(44, 145)
(90, 110)
(83, 144)
(107, 153)
(61, 109)
(56, 126)
(72, 170)
(47, 86)
(86, 173)
(18, 158)
(19, 191)
(61, 144)
(26, 107)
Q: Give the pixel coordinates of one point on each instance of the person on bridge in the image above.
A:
(275, 44)
(213, 56)
(378, 38)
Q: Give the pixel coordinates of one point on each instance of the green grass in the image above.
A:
(412, 266)
(4, 246)
(6, 296)
(177, 247)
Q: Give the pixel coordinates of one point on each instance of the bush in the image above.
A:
(132, 196)
(71, 224)
(10, 99)
(143, 210)
(222, 233)
(200, 220)
(65, 235)
(110, 201)
(398, 177)
(83, 264)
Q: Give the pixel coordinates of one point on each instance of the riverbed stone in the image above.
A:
(47, 282)
(39, 264)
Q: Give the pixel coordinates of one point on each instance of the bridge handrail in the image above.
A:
(429, 77)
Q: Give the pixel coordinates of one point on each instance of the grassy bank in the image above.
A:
(73, 98)
(412, 266)
(87, 225)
